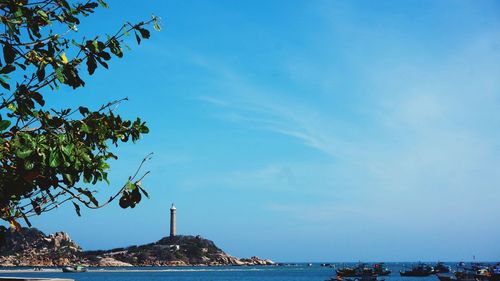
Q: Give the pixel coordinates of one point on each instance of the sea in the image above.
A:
(289, 272)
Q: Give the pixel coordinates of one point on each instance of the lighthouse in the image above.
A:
(172, 220)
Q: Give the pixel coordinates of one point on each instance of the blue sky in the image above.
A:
(306, 130)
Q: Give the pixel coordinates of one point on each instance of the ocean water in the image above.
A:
(301, 272)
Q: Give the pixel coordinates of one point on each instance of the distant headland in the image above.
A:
(31, 247)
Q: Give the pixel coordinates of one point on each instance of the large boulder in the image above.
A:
(112, 262)
(31, 247)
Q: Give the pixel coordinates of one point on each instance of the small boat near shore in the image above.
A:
(458, 276)
(420, 270)
(74, 269)
(476, 272)
(495, 273)
(380, 269)
(361, 269)
(441, 267)
(358, 278)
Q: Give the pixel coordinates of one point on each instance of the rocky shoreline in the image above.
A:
(31, 247)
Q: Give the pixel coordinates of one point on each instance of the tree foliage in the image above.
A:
(51, 156)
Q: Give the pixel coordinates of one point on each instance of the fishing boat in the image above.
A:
(476, 272)
(495, 273)
(419, 270)
(358, 278)
(74, 269)
(481, 271)
(440, 267)
(358, 271)
(462, 275)
(380, 269)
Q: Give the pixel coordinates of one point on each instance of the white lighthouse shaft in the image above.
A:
(172, 221)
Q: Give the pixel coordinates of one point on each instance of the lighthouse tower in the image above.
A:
(172, 220)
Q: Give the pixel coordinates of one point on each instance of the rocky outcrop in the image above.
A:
(257, 261)
(112, 262)
(31, 247)
(176, 251)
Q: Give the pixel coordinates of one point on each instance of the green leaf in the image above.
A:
(104, 55)
(91, 64)
(103, 3)
(65, 4)
(130, 186)
(4, 124)
(68, 179)
(144, 32)
(103, 165)
(83, 110)
(105, 177)
(68, 149)
(115, 48)
(85, 128)
(4, 84)
(77, 209)
(61, 137)
(54, 160)
(9, 54)
(23, 154)
(101, 62)
(136, 196)
(86, 157)
(144, 129)
(18, 13)
(124, 201)
(12, 107)
(71, 76)
(40, 73)
(156, 26)
(38, 98)
(87, 178)
(7, 69)
(60, 75)
(42, 14)
(95, 43)
(137, 38)
(29, 165)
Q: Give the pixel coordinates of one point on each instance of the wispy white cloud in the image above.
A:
(426, 132)
(279, 176)
(212, 100)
